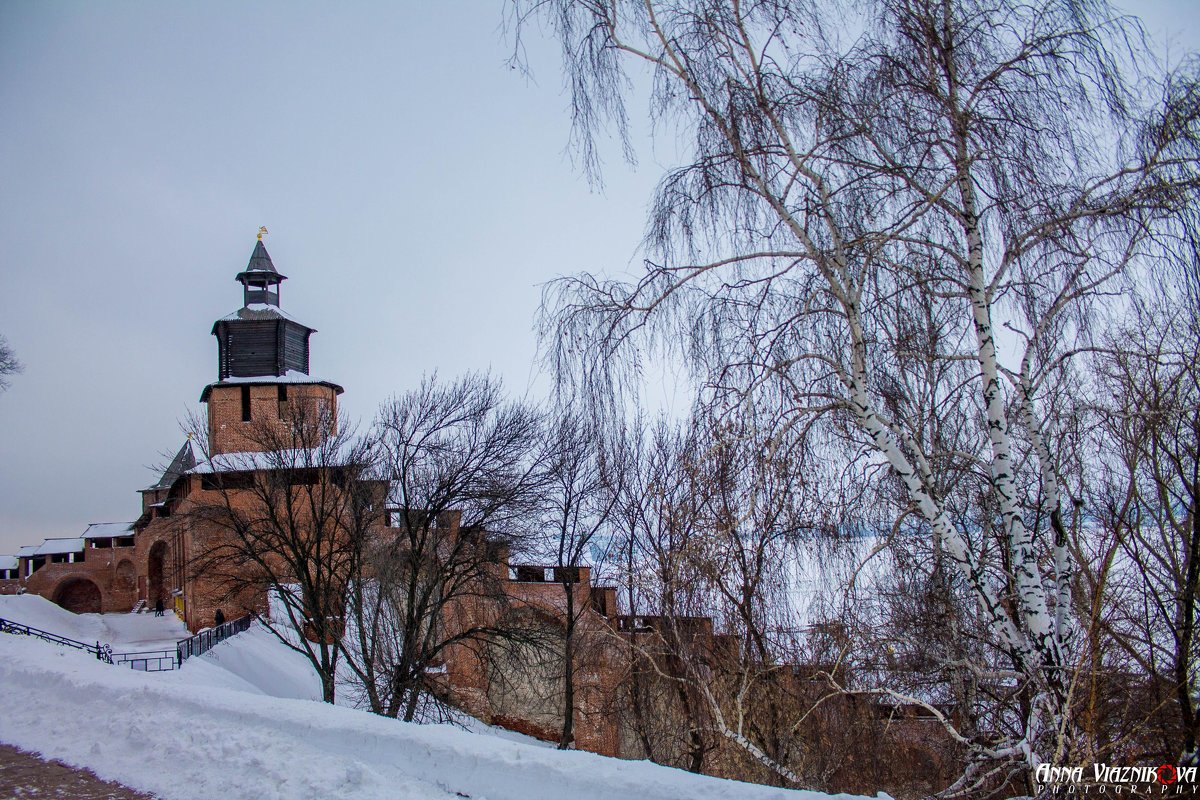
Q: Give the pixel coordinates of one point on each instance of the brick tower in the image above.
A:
(262, 365)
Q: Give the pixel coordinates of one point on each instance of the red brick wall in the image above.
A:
(100, 567)
(228, 433)
(466, 681)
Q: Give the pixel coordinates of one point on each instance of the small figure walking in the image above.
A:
(158, 607)
(220, 618)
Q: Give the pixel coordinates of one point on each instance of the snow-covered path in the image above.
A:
(125, 632)
(185, 735)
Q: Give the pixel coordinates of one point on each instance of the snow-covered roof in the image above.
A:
(8, 562)
(104, 530)
(27, 551)
(249, 461)
(53, 547)
(291, 376)
(310, 458)
(258, 311)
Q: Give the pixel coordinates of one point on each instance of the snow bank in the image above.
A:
(125, 632)
(254, 661)
(178, 740)
(219, 728)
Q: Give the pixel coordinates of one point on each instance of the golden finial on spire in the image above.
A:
(261, 231)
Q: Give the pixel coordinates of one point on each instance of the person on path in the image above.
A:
(220, 618)
(158, 607)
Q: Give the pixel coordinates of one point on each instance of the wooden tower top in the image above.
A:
(259, 340)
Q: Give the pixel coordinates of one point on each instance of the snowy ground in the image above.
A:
(240, 723)
(125, 632)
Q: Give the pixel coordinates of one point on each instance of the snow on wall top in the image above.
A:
(291, 376)
(104, 530)
(74, 544)
(250, 461)
(52, 547)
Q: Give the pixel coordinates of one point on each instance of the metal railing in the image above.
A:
(147, 661)
(205, 640)
(102, 651)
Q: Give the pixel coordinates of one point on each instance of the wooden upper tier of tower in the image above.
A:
(262, 362)
(259, 340)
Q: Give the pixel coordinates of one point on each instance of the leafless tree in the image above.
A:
(705, 522)
(895, 213)
(658, 517)
(9, 365)
(1146, 502)
(288, 519)
(575, 510)
(458, 461)
(750, 494)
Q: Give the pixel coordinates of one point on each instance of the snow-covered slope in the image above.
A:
(206, 731)
(125, 632)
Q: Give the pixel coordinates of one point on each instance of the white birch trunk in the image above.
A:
(1031, 595)
(1053, 494)
(736, 736)
(950, 538)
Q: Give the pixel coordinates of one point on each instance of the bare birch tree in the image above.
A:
(935, 191)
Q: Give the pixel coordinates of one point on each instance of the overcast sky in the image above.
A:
(417, 193)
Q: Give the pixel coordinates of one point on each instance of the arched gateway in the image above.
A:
(154, 573)
(78, 595)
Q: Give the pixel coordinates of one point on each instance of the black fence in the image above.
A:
(148, 661)
(102, 651)
(205, 640)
